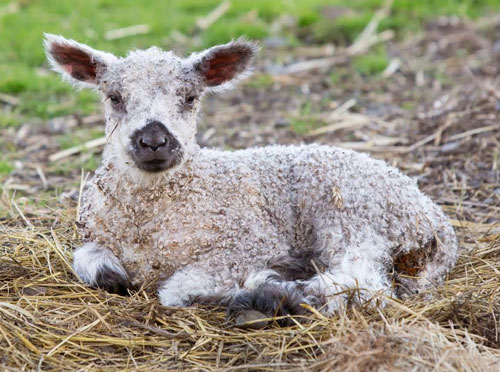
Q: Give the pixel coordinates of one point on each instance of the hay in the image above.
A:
(48, 321)
(404, 348)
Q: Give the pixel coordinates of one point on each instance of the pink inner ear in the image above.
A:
(75, 62)
(225, 64)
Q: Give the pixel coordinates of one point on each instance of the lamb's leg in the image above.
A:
(269, 294)
(355, 277)
(191, 285)
(99, 267)
(293, 281)
(335, 289)
(266, 294)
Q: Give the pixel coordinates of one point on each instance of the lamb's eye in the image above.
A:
(190, 100)
(115, 99)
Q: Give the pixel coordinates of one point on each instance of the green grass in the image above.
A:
(5, 167)
(372, 63)
(304, 126)
(7, 119)
(260, 81)
(304, 123)
(23, 69)
(407, 16)
(79, 137)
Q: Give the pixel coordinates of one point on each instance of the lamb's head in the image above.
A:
(151, 97)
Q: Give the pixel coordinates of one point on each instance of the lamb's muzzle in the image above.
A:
(154, 148)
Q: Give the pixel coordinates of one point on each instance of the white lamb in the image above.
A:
(260, 230)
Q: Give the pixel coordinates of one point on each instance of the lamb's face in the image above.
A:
(152, 100)
(151, 97)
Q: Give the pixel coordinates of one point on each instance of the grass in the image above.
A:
(304, 123)
(5, 167)
(78, 137)
(22, 61)
(260, 81)
(7, 119)
(303, 126)
(372, 63)
(407, 16)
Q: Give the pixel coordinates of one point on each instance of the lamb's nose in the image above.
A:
(152, 137)
(153, 140)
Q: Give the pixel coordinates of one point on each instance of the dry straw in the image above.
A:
(48, 321)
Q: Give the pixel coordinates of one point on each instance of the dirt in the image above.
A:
(446, 84)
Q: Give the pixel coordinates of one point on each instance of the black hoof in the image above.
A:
(112, 282)
(267, 301)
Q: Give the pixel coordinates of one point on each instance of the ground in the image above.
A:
(425, 97)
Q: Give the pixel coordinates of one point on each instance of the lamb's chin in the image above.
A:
(143, 178)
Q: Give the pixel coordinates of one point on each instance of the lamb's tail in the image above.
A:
(426, 266)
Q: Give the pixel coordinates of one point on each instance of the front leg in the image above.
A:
(191, 285)
(99, 267)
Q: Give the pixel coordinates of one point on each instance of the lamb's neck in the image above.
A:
(117, 181)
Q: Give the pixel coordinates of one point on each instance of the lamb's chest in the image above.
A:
(150, 230)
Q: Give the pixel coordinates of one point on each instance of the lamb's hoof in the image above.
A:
(251, 319)
(112, 281)
(267, 301)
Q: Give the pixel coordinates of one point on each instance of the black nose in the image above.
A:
(154, 148)
(153, 136)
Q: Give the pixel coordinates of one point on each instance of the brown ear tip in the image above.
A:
(252, 47)
(72, 59)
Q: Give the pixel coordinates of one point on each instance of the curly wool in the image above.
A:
(229, 213)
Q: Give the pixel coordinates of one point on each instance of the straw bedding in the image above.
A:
(48, 321)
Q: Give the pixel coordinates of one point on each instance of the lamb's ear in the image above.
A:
(78, 63)
(223, 65)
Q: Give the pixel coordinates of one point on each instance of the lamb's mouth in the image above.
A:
(159, 164)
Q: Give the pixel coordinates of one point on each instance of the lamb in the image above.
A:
(261, 230)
